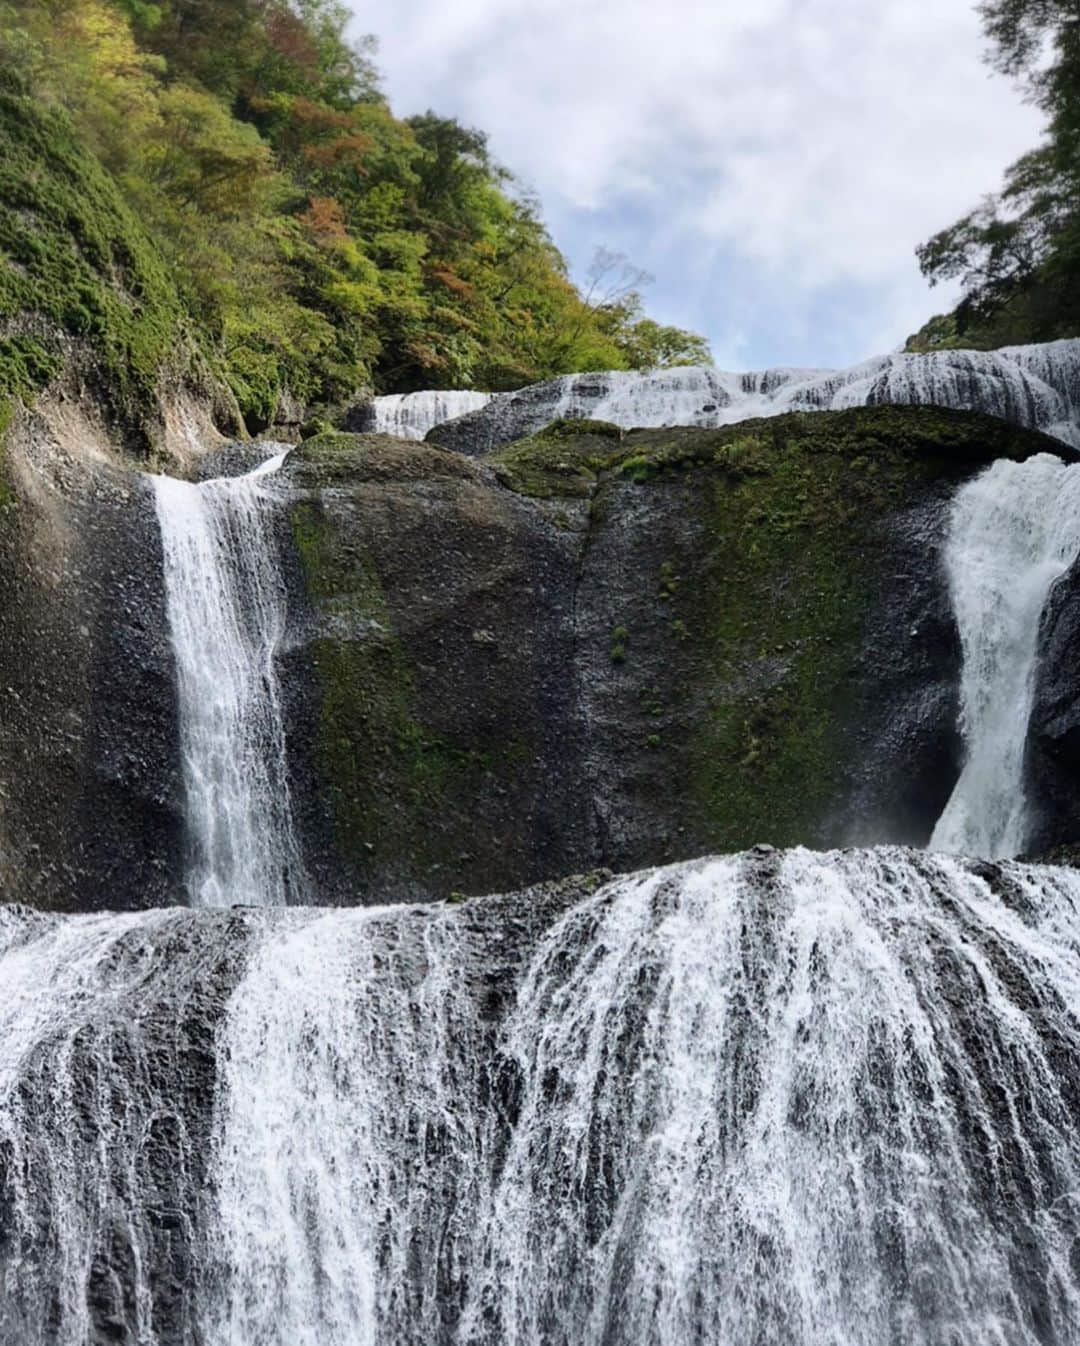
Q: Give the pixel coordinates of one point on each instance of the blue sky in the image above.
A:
(771, 163)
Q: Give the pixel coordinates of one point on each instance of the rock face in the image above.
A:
(1053, 755)
(607, 649)
(90, 808)
(1036, 386)
(591, 649)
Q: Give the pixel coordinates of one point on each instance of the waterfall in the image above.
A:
(823, 1100)
(347, 1131)
(1035, 386)
(226, 604)
(1014, 530)
(412, 415)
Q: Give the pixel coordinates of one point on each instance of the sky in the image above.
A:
(772, 163)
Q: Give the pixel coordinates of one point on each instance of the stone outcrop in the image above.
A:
(606, 649)
(90, 805)
(594, 648)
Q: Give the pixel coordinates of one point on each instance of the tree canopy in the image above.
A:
(318, 241)
(1017, 254)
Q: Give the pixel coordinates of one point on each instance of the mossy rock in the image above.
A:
(569, 427)
(700, 665)
(396, 780)
(77, 271)
(564, 464)
(337, 457)
(562, 460)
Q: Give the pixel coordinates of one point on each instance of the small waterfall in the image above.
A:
(1013, 532)
(412, 415)
(226, 605)
(823, 1100)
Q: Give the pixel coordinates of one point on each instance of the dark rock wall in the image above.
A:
(1053, 750)
(595, 649)
(589, 649)
(90, 795)
(436, 735)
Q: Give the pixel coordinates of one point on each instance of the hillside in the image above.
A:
(308, 242)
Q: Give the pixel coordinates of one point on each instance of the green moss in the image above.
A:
(391, 782)
(75, 263)
(315, 428)
(565, 464)
(339, 458)
(617, 646)
(574, 428)
(638, 468)
(561, 461)
(795, 559)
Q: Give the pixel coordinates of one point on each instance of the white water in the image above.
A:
(347, 1130)
(412, 415)
(817, 1100)
(226, 605)
(757, 1112)
(89, 1085)
(1014, 530)
(1036, 386)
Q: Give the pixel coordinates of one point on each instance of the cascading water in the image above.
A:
(818, 1100)
(1035, 386)
(226, 606)
(412, 415)
(348, 1142)
(1014, 530)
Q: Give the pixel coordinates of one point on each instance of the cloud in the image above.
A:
(772, 165)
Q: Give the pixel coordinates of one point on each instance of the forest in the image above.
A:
(317, 243)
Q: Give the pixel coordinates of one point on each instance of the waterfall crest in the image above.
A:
(774, 1097)
(412, 415)
(1013, 531)
(226, 604)
(1034, 386)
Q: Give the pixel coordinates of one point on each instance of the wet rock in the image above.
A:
(600, 649)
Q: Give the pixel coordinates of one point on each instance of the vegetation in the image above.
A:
(76, 264)
(312, 241)
(1018, 253)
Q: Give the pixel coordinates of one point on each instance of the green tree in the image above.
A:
(1018, 254)
(318, 241)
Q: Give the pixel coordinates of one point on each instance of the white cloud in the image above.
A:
(792, 150)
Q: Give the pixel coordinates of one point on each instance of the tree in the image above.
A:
(1018, 254)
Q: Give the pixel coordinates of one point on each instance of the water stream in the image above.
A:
(226, 603)
(1014, 530)
(1036, 386)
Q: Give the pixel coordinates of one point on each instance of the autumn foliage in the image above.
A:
(319, 243)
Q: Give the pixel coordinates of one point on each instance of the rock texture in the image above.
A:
(1053, 753)
(90, 807)
(593, 649)
(606, 649)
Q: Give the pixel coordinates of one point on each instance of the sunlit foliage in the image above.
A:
(319, 243)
